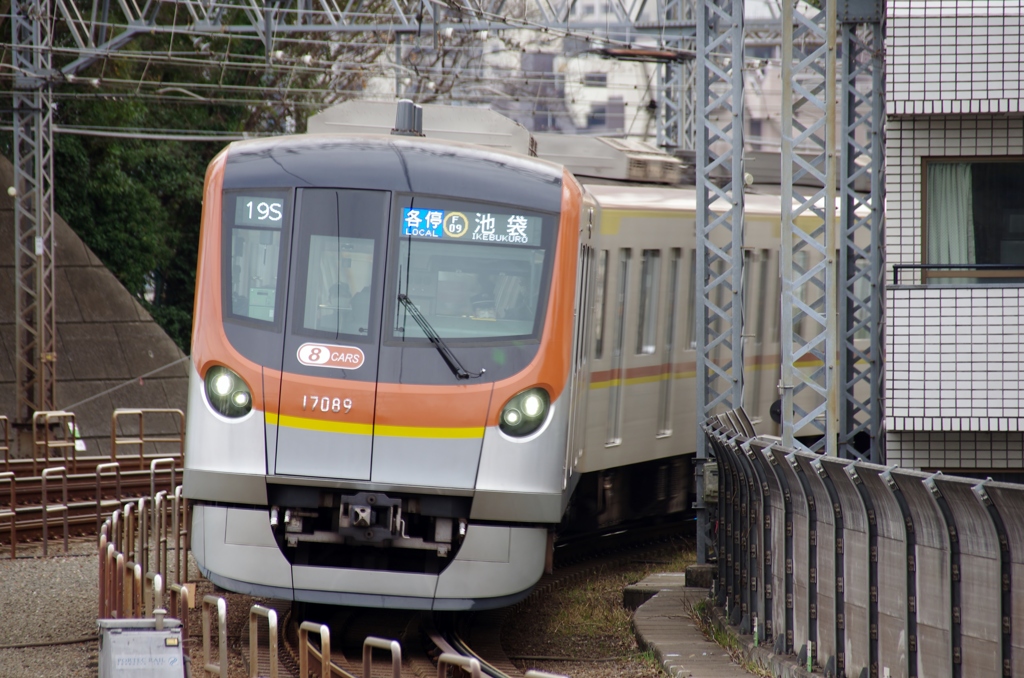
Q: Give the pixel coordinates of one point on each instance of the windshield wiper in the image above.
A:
(453, 363)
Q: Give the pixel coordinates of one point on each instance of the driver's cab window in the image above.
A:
(338, 285)
(338, 252)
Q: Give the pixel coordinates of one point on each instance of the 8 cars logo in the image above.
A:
(327, 355)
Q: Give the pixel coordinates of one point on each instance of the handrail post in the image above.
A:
(222, 635)
(103, 573)
(13, 513)
(179, 597)
(160, 528)
(102, 469)
(458, 660)
(181, 433)
(140, 598)
(382, 644)
(7, 442)
(141, 440)
(154, 466)
(36, 442)
(142, 556)
(108, 569)
(45, 508)
(115, 528)
(155, 596)
(176, 520)
(255, 612)
(74, 433)
(119, 586)
(325, 648)
(130, 524)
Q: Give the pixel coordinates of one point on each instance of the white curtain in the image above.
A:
(950, 214)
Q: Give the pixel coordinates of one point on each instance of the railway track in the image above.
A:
(37, 498)
(424, 637)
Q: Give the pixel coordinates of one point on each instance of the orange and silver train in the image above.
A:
(414, 359)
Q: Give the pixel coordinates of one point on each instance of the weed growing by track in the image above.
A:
(701, 616)
(581, 629)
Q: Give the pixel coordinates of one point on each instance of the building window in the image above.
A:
(595, 80)
(974, 220)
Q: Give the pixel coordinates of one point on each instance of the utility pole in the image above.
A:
(809, 385)
(719, 242)
(35, 323)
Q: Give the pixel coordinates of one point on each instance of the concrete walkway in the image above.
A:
(662, 623)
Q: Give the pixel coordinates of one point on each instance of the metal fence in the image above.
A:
(870, 570)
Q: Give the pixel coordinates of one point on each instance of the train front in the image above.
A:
(382, 339)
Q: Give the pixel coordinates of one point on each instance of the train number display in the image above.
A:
(318, 403)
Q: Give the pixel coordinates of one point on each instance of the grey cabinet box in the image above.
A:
(136, 648)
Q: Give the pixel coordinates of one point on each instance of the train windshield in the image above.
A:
(474, 271)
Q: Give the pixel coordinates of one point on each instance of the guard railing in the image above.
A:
(861, 569)
(136, 419)
(53, 436)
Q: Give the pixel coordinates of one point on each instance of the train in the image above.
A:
(420, 353)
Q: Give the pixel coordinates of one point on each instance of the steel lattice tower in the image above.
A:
(719, 241)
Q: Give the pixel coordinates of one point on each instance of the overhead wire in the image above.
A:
(297, 76)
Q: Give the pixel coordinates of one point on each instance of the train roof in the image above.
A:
(611, 158)
(463, 124)
(758, 200)
(672, 199)
(396, 163)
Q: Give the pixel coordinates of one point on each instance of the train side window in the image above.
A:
(777, 299)
(763, 301)
(649, 282)
(618, 376)
(600, 289)
(748, 276)
(801, 263)
(691, 311)
(665, 408)
(763, 308)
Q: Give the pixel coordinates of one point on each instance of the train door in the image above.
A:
(328, 391)
(580, 385)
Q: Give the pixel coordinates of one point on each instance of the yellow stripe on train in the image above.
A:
(369, 429)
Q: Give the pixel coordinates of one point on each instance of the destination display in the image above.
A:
(483, 227)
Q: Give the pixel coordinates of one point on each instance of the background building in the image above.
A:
(955, 236)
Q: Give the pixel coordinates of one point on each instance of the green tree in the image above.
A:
(137, 201)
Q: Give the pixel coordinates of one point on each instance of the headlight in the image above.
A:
(525, 412)
(228, 392)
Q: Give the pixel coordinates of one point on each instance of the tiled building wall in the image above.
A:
(923, 432)
(982, 452)
(955, 359)
(954, 56)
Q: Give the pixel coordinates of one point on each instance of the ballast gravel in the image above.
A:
(49, 600)
(48, 606)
